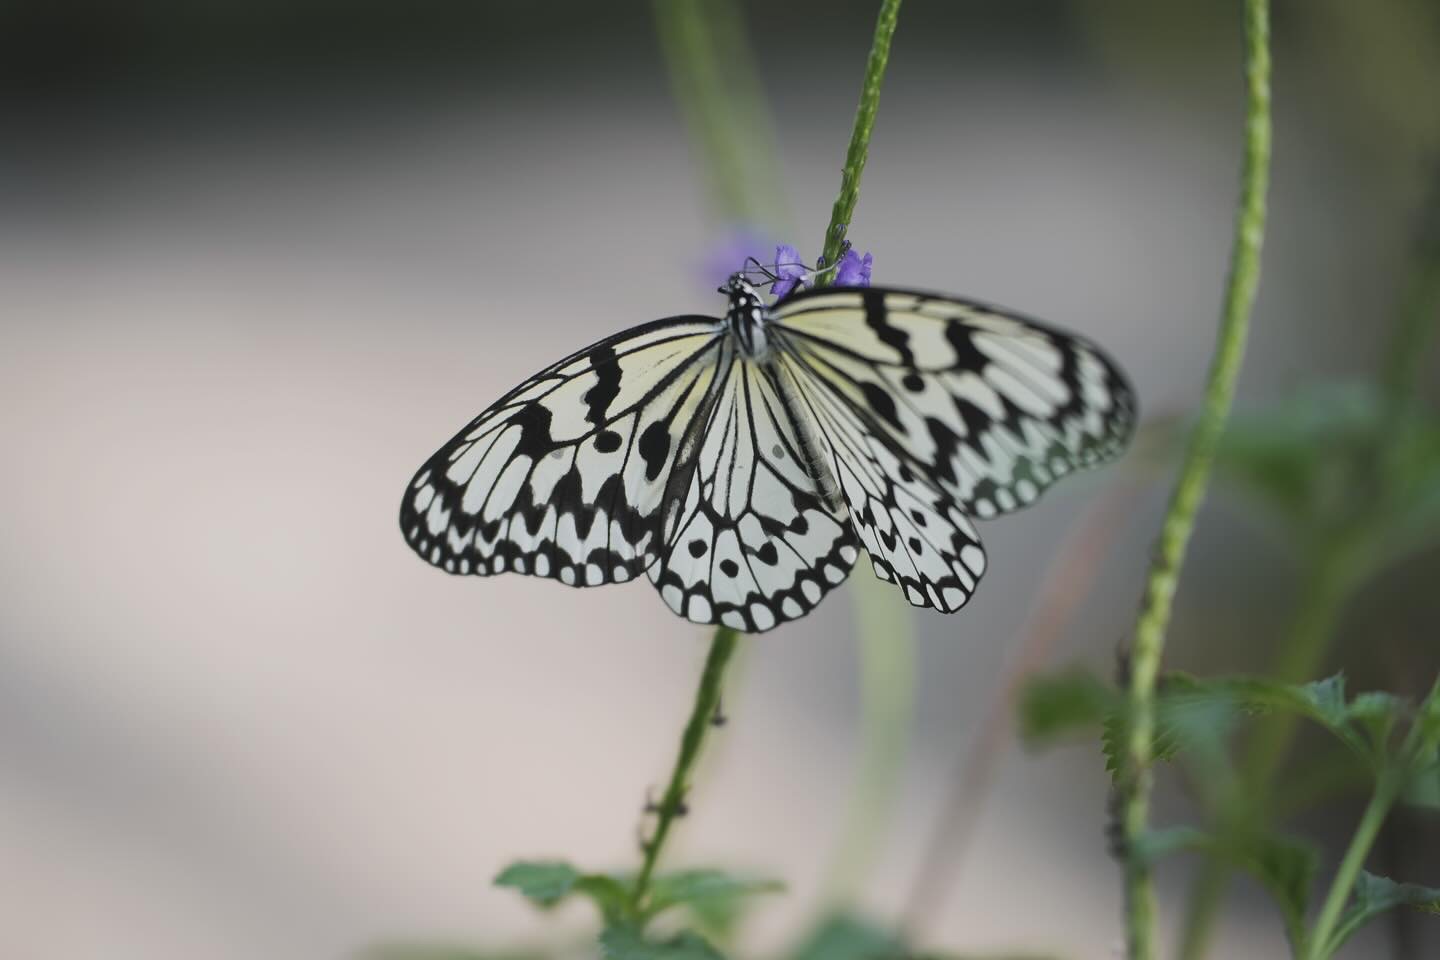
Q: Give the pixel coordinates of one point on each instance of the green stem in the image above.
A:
(1419, 744)
(698, 76)
(672, 804)
(887, 705)
(1190, 487)
(1318, 944)
(860, 136)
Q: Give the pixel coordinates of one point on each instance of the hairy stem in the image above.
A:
(1190, 487)
(702, 714)
(860, 136)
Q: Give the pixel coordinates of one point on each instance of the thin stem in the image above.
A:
(702, 714)
(699, 79)
(860, 136)
(1387, 788)
(1194, 474)
(1419, 743)
(886, 638)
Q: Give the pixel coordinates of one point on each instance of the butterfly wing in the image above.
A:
(762, 536)
(915, 533)
(991, 406)
(569, 475)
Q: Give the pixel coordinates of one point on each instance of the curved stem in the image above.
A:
(672, 804)
(860, 136)
(1190, 487)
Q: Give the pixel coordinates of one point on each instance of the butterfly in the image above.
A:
(741, 463)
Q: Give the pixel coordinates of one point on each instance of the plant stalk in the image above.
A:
(702, 714)
(1190, 487)
(859, 149)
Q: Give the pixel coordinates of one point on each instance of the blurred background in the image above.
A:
(259, 259)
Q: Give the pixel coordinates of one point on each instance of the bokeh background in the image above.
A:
(258, 259)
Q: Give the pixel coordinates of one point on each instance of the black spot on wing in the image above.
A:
(607, 384)
(882, 403)
(653, 448)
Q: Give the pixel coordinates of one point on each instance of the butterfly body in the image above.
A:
(746, 318)
(742, 463)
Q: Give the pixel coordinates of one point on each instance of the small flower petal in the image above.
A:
(789, 268)
(854, 270)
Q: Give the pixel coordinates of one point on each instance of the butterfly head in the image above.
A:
(746, 316)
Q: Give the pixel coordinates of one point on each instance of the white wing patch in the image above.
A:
(989, 405)
(758, 543)
(566, 476)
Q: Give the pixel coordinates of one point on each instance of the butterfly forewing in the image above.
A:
(567, 475)
(759, 541)
(987, 404)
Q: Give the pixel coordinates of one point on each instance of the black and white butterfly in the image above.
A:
(742, 463)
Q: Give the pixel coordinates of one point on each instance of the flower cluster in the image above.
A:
(852, 271)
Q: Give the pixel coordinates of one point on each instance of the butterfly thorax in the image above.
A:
(746, 317)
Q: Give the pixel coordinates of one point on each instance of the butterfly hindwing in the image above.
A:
(759, 541)
(991, 406)
(916, 535)
(567, 475)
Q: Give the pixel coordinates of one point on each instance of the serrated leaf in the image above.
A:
(547, 882)
(848, 937)
(1373, 896)
(624, 942)
(1056, 705)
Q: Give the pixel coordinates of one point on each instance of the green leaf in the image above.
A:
(848, 937)
(625, 942)
(1423, 790)
(1284, 866)
(713, 897)
(1373, 896)
(1376, 713)
(547, 882)
(1058, 705)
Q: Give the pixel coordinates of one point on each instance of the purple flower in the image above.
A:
(789, 268)
(854, 270)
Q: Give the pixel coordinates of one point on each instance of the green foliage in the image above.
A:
(1284, 866)
(625, 942)
(714, 898)
(548, 882)
(1337, 460)
(1073, 702)
(1373, 896)
(844, 936)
